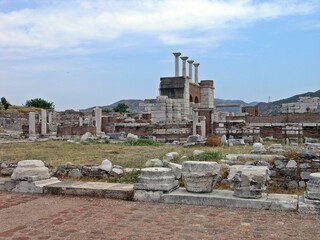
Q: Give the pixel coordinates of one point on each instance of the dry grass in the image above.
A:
(20, 109)
(56, 152)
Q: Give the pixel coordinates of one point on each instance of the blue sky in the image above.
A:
(79, 53)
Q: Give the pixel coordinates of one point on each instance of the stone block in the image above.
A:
(154, 163)
(156, 179)
(106, 165)
(30, 168)
(248, 181)
(147, 196)
(313, 187)
(200, 176)
(34, 186)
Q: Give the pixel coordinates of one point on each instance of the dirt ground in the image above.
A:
(26, 216)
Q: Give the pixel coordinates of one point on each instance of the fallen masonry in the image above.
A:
(159, 184)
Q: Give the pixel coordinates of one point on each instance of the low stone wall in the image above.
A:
(13, 121)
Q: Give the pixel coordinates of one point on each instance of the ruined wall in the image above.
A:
(195, 93)
(13, 121)
(70, 131)
(251, 111)
(286, 118)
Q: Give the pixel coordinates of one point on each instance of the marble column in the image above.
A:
(196, 75)
(98, 115)
(43, 121)
(184, 67)
(32, 124)
(176, 55)
(80, 121)
(190, 69)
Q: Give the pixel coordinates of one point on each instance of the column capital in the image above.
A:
(196, 64)
(176, 54)
(184, 58)
(190, 61)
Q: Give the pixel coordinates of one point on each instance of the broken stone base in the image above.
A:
(147, 196)
(308, 206)
(249, 181)
(153, 182)
(200, 177)
(225, 198)
(29, 186)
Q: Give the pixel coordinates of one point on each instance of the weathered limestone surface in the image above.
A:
(225, 198)
(153, 182)
(254, 157)
(156, 179)
(308, 206)
(258, 148)
(106, 165)
(30, 168)
(200, 176)
(248, 181)
(313, 186)
(92, 189)
(33, 186)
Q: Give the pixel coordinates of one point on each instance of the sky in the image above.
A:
(81, 53)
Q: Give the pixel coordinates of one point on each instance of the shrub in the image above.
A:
(39, 103)
(5, 103)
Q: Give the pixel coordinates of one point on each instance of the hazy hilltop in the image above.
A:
(272, 108)
(133, 105)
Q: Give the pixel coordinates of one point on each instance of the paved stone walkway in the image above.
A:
(25, 216)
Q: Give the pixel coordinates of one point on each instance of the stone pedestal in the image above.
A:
(310, 202)
(30, 176)
(249, 181)
(153, 182)
(200, 177)
(313, 187)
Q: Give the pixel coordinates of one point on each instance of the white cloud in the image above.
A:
(61, 25)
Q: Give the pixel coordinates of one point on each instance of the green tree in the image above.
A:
(39, 103)
(5, 103)
(121, 107)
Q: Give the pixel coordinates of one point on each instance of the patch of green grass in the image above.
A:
(141, 142)
(208, 156)
(131, 177)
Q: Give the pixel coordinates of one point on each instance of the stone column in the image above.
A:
(98, 115)
(43, 121)
(195, 122)
(190, 69)
(196, 75)
(80, 121)
(203, 127)
(32, 124)
(50, 115)
(184, 67)
(176, 54)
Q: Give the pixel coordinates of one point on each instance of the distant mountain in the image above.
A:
(133, 105)
(218, 101)
(274, 108)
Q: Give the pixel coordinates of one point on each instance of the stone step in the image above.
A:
(94, 189)
(2, 183)
(225, 198)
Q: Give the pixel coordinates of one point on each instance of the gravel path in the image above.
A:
(25, 216)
